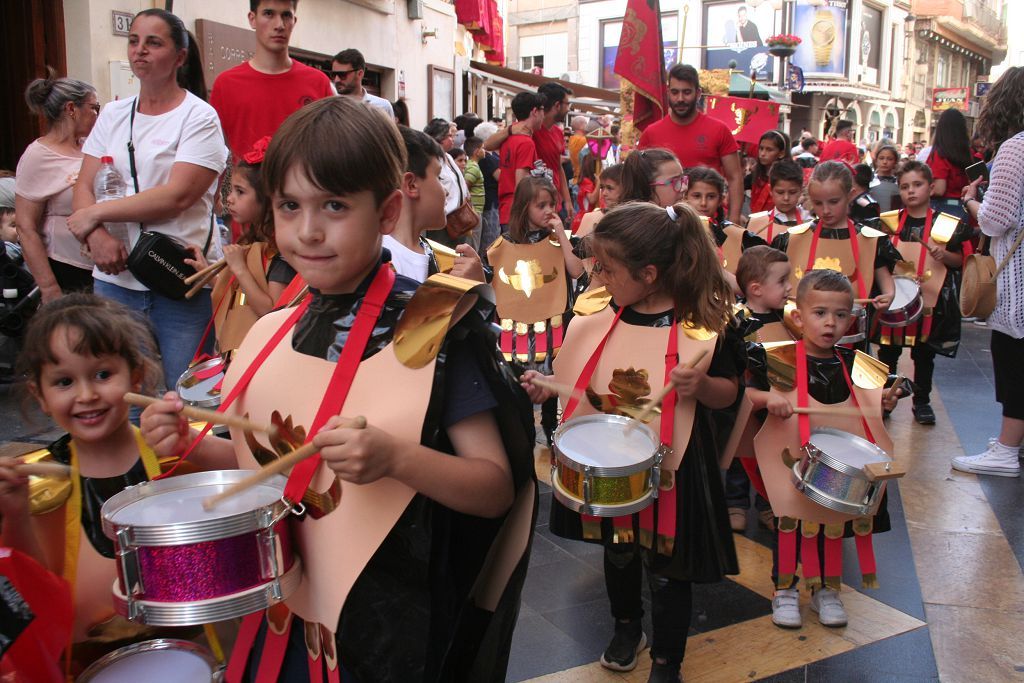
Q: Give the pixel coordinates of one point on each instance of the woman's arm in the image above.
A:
(29, 217)
(938, 187)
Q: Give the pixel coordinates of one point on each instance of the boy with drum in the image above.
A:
(817, 384)
(932, 247)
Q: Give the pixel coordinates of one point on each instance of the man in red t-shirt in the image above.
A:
(842, 148)
(255, 97)
(517, 152)
(695, 138)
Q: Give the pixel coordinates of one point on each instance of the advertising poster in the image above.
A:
(869, 42)
(735, 32)
(950, 98)
(823, 26)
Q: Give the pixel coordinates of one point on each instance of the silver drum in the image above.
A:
(831, 472)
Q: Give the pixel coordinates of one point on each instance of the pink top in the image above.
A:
(48, 177)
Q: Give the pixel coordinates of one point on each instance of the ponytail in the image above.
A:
(190, 74)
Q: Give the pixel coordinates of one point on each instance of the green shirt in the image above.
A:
(475, 180)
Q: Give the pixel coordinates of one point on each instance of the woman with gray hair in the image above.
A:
(46, 176)
(451, 179)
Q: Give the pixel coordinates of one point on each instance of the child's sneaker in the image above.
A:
(628, 641)
(664, 672)
(923, 413)
(999, 460)
(786, 608)
(829, 607)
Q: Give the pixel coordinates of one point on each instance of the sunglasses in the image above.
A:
(677, 182)
(341, 74)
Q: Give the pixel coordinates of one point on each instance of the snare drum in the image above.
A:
(858, 330)
(831, 472)
(181, 565)
(600, 470)
(907, 303)
(165, 660)
(199, 386)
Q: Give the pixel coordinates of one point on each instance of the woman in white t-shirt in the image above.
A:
(47, 172)
(179, 152)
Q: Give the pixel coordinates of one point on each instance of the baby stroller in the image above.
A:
(20, 300)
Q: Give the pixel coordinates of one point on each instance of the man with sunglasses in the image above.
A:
(347, 71)
(255, 97)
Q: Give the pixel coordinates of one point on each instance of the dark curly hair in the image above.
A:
(1002, 117)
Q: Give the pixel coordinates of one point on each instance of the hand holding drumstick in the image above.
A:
(685, 379)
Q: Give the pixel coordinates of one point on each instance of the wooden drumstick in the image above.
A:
(276, 467)
(214, 267)
(863, 302)
(43, 469)
(828, 410)
(211, 416)
(201, 283)
(648, 409)
(560, 389)
(898, 384)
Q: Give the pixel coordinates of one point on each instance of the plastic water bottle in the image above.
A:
(109, 185)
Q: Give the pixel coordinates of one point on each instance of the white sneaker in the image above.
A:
(998, 459)
(786, 608)
(829, 607)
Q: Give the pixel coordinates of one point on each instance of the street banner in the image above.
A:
(640, 60)
(747, 119)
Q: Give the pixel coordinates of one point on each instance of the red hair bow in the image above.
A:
(258, 151)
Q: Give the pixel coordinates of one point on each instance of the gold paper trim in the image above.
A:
(809, 529)
(834, 531)
(788, 524)
(591, 530)
(445, 256)
(869, 580)
(594, 301)
(623, 536)
(437, 305)
(868, 372)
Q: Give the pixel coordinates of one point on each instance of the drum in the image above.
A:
(858, 330)
(164, 660)
(200, 385)
(907, 303)
(599, 469)
(831, 472)
(181, 565)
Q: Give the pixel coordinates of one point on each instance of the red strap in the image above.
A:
(925, 236)
(290, 292)
(866, 555)
(588, 370)
(197, 356)
(809, 557)
(787, 556)
(243, 647)
(856, 403)
(803, 419)
(344, 373)
(833, 561)
(854, 247)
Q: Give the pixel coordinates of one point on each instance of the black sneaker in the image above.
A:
(664, 672)
(628, 641)
(924, 414)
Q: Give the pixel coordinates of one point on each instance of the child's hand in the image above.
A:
(882, 302)
(468, 264)
(554, 224)
(234, 254)
(13, 491)
(892, 395)
(778, 406)
(936, 251)
(688, 381)
(163, 426)
(198, 260)
(537, 394)
(361, 456)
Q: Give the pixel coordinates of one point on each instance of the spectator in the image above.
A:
(474, 176)
(489, 163)
(401, 110)
(885, 188)
(1001, 217)
(347, 70)
(576, 143)
(8, 223)
(695, 138)
(44, 187)
(518, 152)
(808, 156)
(179, 152)
(841, 147)
(949, 157)
(255, 97)
(451, 178)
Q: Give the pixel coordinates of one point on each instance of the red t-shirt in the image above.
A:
(252, 104)
(943, 169)
(703, 142)
(840, 150)
(550, 145)
(518, 151)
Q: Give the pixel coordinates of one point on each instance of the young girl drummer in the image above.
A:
(705, 194)
(81, 354)
(384, 594)
(667, 292)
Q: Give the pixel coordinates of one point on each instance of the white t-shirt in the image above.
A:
(452, 181)
(379, 102)
(407, 262)
(189, 133)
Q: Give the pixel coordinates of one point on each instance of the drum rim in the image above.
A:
(185, 533)
(155, 645)
(598, 470)
(600, 510)
(836, 504)
(907, 314)
(839, 465)
(212, 402)
(199, 612)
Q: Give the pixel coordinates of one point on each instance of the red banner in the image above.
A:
(640, 60)
(746, 118)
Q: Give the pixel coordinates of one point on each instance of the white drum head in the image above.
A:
(906, 291)
(183, 505)
(848, 449)
(605, 444)
(135, 663)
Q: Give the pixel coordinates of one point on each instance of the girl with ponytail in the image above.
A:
(666, 323)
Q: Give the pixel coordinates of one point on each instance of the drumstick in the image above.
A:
(212, 268)
(43, 469)
(648, 409)
(201, 283)
(276, 467)
(211, 416)
(863, 301)
(560, 389)
(895, 385)
(828, 410)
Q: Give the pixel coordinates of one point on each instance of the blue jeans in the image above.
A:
(490, 230)
(177, 325)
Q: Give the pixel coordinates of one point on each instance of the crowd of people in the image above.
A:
(751, 282)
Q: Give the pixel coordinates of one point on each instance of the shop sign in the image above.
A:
(950, 98)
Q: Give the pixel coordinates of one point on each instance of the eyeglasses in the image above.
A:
(676, 182)
(341, 74)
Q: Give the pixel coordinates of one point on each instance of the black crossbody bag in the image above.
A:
(158, 260)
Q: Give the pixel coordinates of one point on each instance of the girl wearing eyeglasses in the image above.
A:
(653, 175)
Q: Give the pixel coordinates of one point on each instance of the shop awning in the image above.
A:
(585, 97)
(739, 86)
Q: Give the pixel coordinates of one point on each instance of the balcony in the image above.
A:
(971, 20)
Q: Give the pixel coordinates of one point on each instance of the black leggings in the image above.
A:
(671, 600)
